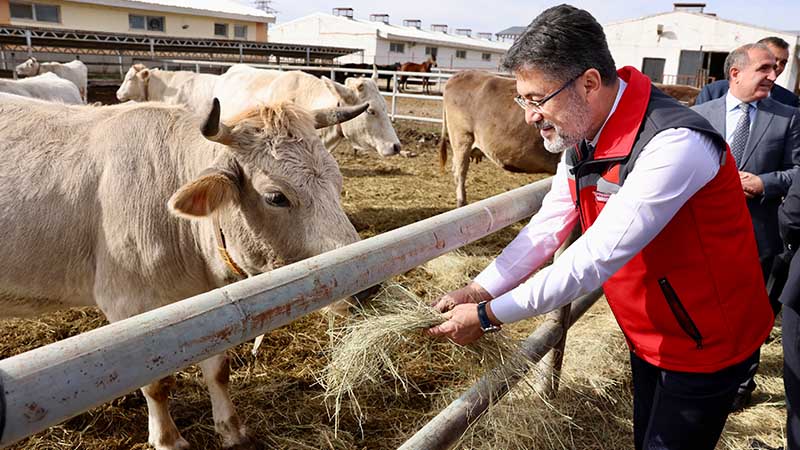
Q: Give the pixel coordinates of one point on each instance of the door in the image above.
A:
(689, 66)
(654, 68)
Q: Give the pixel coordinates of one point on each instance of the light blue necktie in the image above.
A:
(740, 134)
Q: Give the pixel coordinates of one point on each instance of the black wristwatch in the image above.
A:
(486, 325)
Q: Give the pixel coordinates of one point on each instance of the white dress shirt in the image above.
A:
(733, 113)
(674, 165)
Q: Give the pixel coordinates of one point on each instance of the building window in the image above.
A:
(461, 54)
(240, 31)
(35, 11)
(149, 23)
(397, 47)
(486, 56)
(431, 51)
(221, 29)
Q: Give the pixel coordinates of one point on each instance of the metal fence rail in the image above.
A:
(444, 430)
(53, 383)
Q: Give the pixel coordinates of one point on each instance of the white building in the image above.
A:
(386, 43)
(687, 45)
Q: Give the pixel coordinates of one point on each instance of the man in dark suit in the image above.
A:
(780, 49)
(764, 137)
(789, 220)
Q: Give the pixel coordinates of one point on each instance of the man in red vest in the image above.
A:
(666, 233)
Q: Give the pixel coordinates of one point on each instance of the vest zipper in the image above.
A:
(680, 313)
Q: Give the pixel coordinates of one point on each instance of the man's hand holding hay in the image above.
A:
(463, 325)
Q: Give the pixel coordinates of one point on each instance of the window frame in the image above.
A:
(461, 54)
(240, 27)
(393, 46)
(486, 57)
(34, 17)
(221, 24)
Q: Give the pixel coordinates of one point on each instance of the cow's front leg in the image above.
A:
(164, 435)
(216, 372)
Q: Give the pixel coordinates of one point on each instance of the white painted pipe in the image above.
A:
(50, 384)
(444, 430)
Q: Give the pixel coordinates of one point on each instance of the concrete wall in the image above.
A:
(79, 16)
(634, 40)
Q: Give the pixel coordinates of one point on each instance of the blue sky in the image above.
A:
(479, 16)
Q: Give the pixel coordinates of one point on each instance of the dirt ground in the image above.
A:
(278, 397)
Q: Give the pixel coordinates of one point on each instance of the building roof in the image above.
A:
(511, 31)
(228, 9)
(705, 16)
(406, 34)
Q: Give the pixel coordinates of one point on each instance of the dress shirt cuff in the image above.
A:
(509, 309)
(493, 280)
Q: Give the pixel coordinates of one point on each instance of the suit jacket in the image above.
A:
(789, 222)
(719, 88)
(773, 153)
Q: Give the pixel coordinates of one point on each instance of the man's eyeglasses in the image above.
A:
(537, 106)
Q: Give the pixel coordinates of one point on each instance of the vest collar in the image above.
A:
(619, 133)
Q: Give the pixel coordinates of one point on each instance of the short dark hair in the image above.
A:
(563, 42)
(776, 41)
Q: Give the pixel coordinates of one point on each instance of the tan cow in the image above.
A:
(74, 71)
(372, 131)
(191, 90)
(480, 115)
(685, 94)
(47, 86)
(96, 205)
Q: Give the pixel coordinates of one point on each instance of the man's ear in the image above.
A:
(214, 188)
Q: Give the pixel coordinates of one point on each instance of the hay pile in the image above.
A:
(373, 351)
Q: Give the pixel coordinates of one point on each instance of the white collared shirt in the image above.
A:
(733, 113)
(674, 165)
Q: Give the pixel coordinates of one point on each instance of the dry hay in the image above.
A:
(281, 402)
(373, 350)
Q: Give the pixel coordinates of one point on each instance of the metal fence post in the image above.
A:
(197, 68)
(394, 95)
(550, 365)
(333, 74)
(121, 68)
(28, 42)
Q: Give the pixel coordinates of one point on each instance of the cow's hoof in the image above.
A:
(178, 444)
(245, 444)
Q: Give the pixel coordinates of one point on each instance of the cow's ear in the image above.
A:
(213, 189)
(144, 74)
(345, 95)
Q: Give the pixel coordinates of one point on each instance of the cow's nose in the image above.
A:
(396, 148)
(367, 294)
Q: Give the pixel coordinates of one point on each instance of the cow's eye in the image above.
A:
(277, 199)
(371, 112)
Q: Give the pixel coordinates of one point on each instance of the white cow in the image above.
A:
(192, 90)
(372, 131)
(47, 86)
(96, 205)
(74, 71)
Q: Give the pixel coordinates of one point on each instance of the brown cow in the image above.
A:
(96, 202)
(415, 67)
(684, 94)
(480, 115)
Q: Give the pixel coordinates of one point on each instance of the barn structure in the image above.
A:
(113, 32)
(688, 45)
(387, 42)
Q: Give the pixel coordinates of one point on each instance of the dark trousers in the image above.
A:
(791, 375)
(749, 384)
(680, 410)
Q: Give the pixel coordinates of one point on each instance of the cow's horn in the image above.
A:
(214, 130)
(331, 116)
(374, 73)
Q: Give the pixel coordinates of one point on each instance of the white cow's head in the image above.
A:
(370, 131)
(29, 68)
(273, 186)
(135, 84)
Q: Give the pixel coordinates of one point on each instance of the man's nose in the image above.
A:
(531, 116)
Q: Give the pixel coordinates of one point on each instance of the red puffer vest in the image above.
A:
(693, 300)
